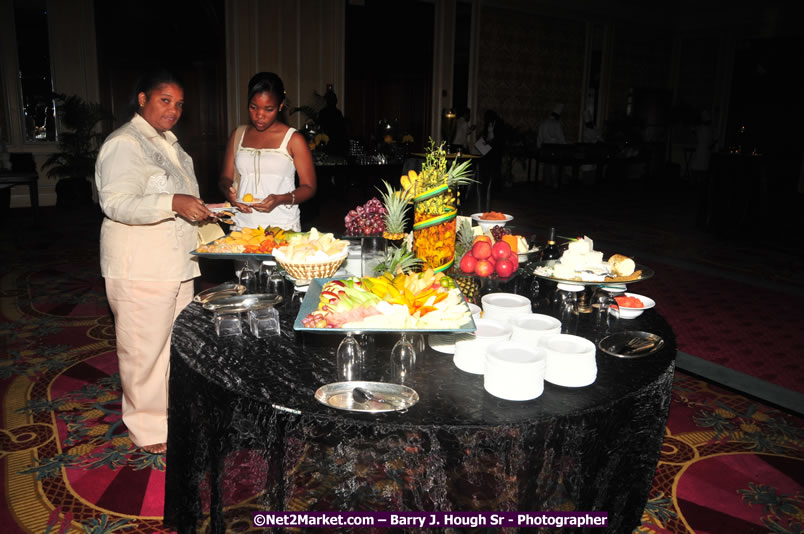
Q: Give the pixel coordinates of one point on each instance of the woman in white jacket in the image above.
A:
(149, 195)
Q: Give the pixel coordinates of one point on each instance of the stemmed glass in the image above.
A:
(606, 311)
(349, 359)
(403, 360)
(265, 273)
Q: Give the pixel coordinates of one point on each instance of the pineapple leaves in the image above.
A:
(398, 258)
(396, 207)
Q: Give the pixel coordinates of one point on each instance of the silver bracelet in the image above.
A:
(292, 198)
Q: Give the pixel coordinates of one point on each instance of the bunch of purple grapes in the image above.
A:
(498, 231)
(366, 219)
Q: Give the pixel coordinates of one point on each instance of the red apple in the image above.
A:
(468, 263)
(481, 250)
(505, 268)
(501, 250)
(484, 268)
(485, 238)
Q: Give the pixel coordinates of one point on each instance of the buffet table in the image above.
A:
(246, 433)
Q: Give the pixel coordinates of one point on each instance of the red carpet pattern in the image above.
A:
(728, 464)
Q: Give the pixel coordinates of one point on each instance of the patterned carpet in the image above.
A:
(729, 464)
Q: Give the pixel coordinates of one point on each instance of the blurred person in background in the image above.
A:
(551, 132)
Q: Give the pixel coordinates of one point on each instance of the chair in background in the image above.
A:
(23, 172)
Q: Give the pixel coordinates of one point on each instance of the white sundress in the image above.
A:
(265, 171)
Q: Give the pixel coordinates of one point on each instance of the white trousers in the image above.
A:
(144, 312)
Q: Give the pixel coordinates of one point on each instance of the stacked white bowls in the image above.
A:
(514, 371)
(530, 328)
(504, 306)
(570, 360)
(470, 355)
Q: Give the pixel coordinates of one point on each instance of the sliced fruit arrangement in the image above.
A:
(425, 300)
(249, 241)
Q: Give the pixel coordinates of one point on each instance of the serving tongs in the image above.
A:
(638, 345)
(223, 217)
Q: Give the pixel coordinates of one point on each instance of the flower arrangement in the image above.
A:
(320, 140)
(435, 197)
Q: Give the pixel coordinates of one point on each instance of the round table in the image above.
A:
(246, 433)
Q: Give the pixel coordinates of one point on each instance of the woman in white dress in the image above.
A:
(262, 160)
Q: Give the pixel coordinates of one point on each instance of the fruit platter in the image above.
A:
(421, 302)
(582, 264)
(246, 243)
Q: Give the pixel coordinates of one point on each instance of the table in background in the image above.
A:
(243, 421)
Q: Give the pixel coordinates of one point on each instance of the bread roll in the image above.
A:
(621, 265)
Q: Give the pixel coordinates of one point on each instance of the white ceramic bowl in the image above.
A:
(514, 371)
(487, 224)
(470, 354)
(633, 313)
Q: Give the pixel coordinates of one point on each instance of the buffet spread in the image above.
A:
(427, 278)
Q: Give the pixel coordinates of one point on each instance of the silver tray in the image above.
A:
(647, 272)
(229, 289)
(614, 345)
(339, 395)
(242, 303)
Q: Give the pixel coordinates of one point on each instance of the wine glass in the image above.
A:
(265, 273)
(403, 360)
(349, 359)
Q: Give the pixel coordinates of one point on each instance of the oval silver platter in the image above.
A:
(241, 303)
(339, 395)
(229, 289)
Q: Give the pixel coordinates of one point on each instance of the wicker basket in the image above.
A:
(310, 270)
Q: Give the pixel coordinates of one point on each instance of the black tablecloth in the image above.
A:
(246, 433)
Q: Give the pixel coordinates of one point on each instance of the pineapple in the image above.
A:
(469, 286)
(398, 259)
(465, 237)
(396, 206)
